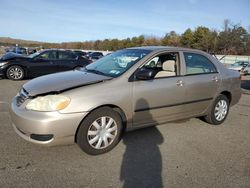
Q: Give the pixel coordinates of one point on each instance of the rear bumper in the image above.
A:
(45, 128)
(245, 72)
(236, 95)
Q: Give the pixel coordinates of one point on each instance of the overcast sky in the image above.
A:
(80, 20)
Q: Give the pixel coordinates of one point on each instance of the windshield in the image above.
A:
(117, 63)
(34, 54)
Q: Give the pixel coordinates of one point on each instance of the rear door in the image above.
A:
(66, 61)
(201, 81)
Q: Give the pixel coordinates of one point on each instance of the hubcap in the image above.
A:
(220, 110)
(102, 132)
(15, 73)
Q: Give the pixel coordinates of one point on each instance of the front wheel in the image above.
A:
(100, 131)
(15, 72)
(218, 111)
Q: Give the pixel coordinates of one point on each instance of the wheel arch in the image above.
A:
(113, 107)
(228, 95)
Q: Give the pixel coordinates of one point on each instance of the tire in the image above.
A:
(96, 134)
(15, 72)
(219, 111)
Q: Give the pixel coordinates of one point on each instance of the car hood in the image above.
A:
(59, 82)
(12, 56)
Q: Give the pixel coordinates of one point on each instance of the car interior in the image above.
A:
(48, 55)
(164, 65)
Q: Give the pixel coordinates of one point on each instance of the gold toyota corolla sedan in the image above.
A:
(126, 90)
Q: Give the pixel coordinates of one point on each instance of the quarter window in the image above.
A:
(198, 64)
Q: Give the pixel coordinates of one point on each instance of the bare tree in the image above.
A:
(226, 24)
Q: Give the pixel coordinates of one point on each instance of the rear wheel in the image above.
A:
(15, 72)
(219, 110)
(100, 131)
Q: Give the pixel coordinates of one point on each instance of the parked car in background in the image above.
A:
(239, 65)
(80, 53)
(17, 67)
(126, 90)
(10, 55)
(95, 55)
(31, 50)
(17, 50)
(246, 70)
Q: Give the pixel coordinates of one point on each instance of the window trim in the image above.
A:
(195, 74)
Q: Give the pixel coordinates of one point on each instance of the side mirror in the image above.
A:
(145, 74)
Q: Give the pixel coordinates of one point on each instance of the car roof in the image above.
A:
(169, 48)
(55, 49)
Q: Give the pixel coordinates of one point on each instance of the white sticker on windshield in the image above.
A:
(113, 72)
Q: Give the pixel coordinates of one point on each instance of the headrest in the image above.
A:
(169, 65)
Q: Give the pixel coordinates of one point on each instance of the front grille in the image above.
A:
(22, 97)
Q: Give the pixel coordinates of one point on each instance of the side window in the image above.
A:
(48, 55)
(164, 65)
(66, 55)
(198, 64)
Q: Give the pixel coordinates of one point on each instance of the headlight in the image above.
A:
(48, 103)
(3, 63)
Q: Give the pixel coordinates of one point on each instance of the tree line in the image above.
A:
(233, 39)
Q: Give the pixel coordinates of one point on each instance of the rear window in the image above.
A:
(198, 64)
(66, 55)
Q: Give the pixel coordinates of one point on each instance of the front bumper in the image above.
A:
(54, 128)
(2, 71)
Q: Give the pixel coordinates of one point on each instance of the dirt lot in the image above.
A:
(183, 154)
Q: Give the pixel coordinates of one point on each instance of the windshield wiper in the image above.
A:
(95, 71)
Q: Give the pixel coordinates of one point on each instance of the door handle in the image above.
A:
(179, 83)
(215, 79)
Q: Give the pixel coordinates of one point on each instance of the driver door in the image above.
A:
(160, 99)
